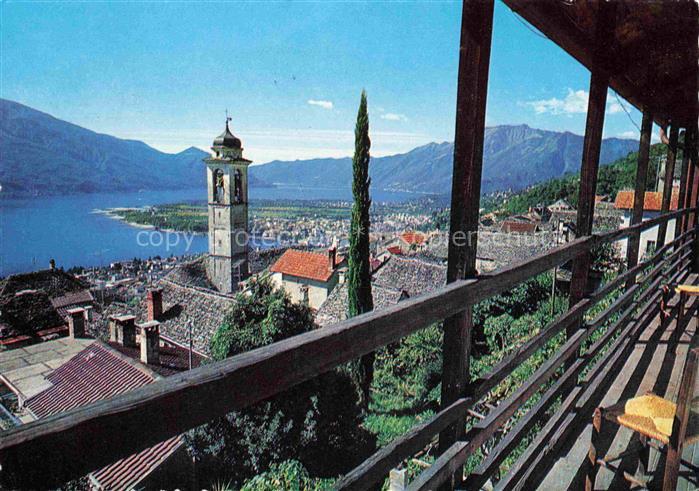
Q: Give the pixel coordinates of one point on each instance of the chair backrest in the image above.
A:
(679, 424)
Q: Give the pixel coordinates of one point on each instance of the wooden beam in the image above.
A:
(482, 431)
(639, 191)
(588, 183)
(594, 125)
(375, 469)
(667, 184)
(684, 183)
(472, 90)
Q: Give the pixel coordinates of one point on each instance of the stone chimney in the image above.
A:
(332, 256)
(122, 330)
(155, 303)
(76, 322)
(52, 264)
(150, 342)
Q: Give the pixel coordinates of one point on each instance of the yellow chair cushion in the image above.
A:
(650, 415)
(688, 289)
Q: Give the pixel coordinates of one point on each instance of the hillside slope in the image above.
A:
(620, 174)
(43, 155)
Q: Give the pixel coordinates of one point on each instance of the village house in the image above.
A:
(652, 206)
(65, 373)
(34, 306)
(395, 279)
(308, 277)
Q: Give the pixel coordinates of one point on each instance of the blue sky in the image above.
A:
(290, 73)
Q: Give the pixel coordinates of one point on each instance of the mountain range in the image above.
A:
(43, 155)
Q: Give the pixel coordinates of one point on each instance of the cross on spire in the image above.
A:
(228, 118)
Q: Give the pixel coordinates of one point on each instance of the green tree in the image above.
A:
(359, 274)
(317, 422)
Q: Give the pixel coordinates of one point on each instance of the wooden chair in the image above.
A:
(654, 418)
(685, 291)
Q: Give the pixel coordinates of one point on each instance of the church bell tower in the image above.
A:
(227, 178)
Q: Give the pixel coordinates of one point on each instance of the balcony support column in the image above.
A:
(474, 60)
(693, 191)
(682, 199)
(594, 125)
(667, 183)
(597, 101)
(639, 192)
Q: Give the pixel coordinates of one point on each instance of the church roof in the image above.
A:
(227, 139)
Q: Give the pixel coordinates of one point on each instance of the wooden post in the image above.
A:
(693, 193)
(474, 59)
(594, 124)
(639, 193)
(667, 185)
(588, 184)
(684, 183)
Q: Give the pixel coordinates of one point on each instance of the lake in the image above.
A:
(67, 229)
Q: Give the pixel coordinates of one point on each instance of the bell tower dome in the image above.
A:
(227, 189)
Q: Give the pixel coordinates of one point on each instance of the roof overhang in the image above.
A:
(652, 57)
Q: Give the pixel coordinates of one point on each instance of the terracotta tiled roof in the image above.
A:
(127, 473)
(416, 238)
(652, 201)
(304, 264)
(395, 250)
(94, 374)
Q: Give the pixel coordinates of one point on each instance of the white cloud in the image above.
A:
(394, 117)
(574, 102)
(628, 134)
(320, 103)
(266, 144)
(614, 108)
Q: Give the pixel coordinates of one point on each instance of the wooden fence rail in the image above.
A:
(54, 448)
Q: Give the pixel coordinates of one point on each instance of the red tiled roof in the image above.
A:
(94, 374)
(305, 264)
(127, 473)
(416, 238)
(652, 201)
(395, 250)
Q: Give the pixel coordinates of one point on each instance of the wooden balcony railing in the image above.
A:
(68, 445)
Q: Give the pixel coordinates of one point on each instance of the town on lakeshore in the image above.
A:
(301, 307)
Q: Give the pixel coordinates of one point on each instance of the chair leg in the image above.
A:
(592, 465)
(683, 302)
(644, 456)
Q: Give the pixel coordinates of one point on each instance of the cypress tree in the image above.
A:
(359, 273)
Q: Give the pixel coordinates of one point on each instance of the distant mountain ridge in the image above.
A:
(514, 157)
(43, 155)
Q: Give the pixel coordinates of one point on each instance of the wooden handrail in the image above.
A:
(120, 426)
(54, 447)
